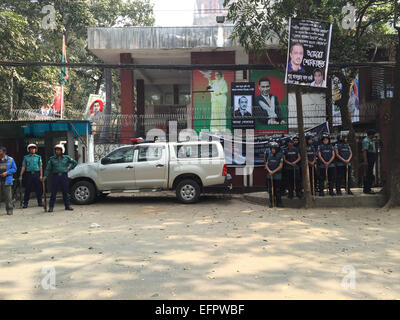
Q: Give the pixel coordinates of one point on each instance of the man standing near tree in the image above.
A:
(369, 155)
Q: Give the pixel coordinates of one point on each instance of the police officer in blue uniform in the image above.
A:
(58, 167)
(311, 160)
(369, 156)
(343, 164)
(32, 166)
(326, 156)
(274, 165)
(291, 159)
(267, 151)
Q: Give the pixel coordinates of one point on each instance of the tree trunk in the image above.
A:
(304, 166)
(347, 124)
(392, 187)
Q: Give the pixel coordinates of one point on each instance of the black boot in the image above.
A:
(349, 192)
(25, 206)
(51, 209)
(69, 208)
(331, 193)
(338, 192)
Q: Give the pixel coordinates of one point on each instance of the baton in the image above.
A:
(44, 196)
(273, 193)
(20, 194)
(294, 180)
(326, 179)
(314, 178)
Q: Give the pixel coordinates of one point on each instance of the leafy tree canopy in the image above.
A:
(22, 37)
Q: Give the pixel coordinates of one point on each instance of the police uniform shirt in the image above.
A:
(60, 165)
(310, 153)
(274, 161)
(326, 154)
(369, 145)
(267, 152)
(344, 151)
(291, 155)
(32, 163)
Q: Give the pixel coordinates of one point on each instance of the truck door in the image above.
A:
(118, 173)
(151, 166)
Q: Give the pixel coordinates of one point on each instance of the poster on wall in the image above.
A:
(212, 100)
(94, 112)
(242, 105)
(308, 52)
(270, 108)
(353, 102)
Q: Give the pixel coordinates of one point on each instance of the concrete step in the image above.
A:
(358, 200)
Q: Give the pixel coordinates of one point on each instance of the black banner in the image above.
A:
(242, 105)
(308, 52)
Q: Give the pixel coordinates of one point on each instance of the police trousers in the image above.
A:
(341, 177)
(59, 181)
(293, 181)
(277, 190)
(33, 178)
(369, 172)
(322, 178)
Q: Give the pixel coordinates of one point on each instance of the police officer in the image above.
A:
(267, 151)
(296, 141)
(369, 154)
(58, 167)
(326, 155)
(33, 166)
(273, 165)
(291, 158)
(343, 164)
(311, 160)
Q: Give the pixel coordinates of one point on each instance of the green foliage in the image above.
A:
(22, 38)
(256, 21)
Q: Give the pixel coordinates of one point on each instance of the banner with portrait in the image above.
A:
(94, 112)
(270, 107)
(211, 100)
(353, 102)
(308, 52)
(242, 105)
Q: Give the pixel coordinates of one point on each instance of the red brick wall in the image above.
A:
(127, 102)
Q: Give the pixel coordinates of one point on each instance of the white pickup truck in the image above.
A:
(186, 167)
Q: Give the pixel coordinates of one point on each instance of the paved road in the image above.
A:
(221, 248)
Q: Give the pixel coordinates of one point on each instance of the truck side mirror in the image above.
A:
(105, 161)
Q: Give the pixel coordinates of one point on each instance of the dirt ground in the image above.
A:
(220, 248)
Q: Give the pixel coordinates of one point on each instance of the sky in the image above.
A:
(173, 12)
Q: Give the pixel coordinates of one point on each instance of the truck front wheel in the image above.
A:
(188, 191)
(83, 192)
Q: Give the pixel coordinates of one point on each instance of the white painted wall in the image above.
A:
(314, 110)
